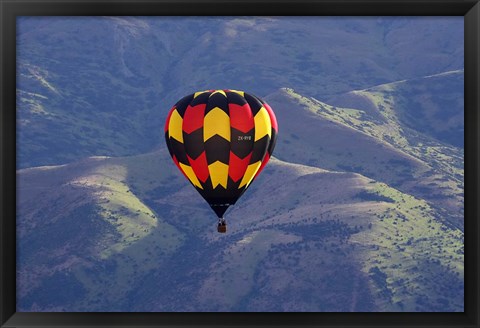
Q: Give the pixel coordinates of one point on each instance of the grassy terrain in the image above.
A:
(324, 241)
(115, 251)
(321, 135)
(103, 86)
(389, 233)
(361, 209)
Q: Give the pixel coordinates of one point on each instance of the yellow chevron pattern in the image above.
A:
(241, 93)
(219, 91)
(196, 94)
(175, 126)
(216, 122)
(263, 126)
(250, 173)
(215, 158)
(218, 174)
(191, 175)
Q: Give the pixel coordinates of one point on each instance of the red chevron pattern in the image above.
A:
(220, 140)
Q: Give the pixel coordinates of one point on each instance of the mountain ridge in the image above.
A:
(359, 210)
(109, 82)
(307, 138)
(129, 243)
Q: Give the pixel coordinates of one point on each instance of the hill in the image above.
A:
(374, 143)
(431, 105)
(129, 234)
(361, 209)
(90, 86)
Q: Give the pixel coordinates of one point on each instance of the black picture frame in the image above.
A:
(10, 9)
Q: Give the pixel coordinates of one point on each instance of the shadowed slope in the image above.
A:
(142, 239)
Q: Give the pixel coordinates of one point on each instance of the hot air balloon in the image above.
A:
(221, 140)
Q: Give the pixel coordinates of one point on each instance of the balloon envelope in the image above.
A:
(221, 140)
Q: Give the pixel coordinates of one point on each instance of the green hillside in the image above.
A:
(131, 233)
(90, 86)
(360, 209)
(431, 105)
(373, 142)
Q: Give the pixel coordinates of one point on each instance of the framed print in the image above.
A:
(225, 163)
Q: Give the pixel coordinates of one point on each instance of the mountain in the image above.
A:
(373, 142)
(130, 234)
(360, 209)
(89, 86)
(431, 105)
